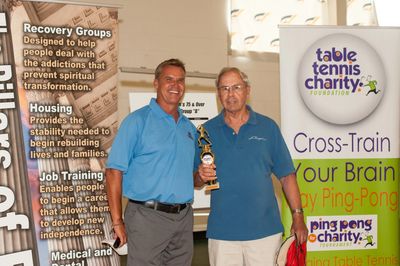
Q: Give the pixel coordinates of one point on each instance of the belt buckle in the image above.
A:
(170, 208)
(150, 204)
(177, 208)
(164, 207)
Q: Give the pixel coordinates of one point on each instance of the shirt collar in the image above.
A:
(155, 107)
(252, 117)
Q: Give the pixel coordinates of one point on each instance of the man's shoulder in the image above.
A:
(213, 121)
(188, 122)
(141, 111)
(265, 120)
(212, 124)
(137, 115)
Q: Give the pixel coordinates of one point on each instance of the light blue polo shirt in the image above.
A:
(156, 155)
(245, 207)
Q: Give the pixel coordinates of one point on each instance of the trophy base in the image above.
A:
(212, 186)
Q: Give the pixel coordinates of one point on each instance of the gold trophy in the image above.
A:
(206, 156)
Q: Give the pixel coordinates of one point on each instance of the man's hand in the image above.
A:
(119, 232)
(299, 228)
(205, 173)
(292, 193)
(114, 194)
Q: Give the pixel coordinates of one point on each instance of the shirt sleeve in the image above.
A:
(197, 149)
(125, 141)
(282, 161)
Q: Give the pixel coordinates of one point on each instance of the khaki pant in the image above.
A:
(244, 253)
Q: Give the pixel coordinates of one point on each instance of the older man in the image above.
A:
(244, 227)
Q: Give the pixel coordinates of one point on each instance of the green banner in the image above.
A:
(350, 204)
(340, 119)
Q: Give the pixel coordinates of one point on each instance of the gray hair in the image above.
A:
(169, 62)
(225, 70)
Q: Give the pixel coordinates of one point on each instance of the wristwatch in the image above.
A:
(300, 210)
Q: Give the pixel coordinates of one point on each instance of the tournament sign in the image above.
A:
(340, 119)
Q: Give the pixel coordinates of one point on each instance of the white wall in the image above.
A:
(151, 31)
(263, 72)
(194, 31)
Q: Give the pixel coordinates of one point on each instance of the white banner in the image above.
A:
(340, 118)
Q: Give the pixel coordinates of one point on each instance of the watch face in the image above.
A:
(207, 159)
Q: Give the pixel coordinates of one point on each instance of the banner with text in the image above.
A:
(58, 116)
(340, 118)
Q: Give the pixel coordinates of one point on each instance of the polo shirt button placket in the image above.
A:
(235, 138)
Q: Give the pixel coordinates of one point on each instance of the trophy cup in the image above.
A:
(206, 155)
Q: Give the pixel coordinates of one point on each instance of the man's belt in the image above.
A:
(163, 207)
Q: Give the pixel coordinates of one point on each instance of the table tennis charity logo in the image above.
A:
(356, 232)
(341, 79)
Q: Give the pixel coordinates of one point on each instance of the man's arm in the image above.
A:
(198, 182)
(114, 195)
(292, 194)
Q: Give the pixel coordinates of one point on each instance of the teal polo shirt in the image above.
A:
(245, 207)
(155, 155)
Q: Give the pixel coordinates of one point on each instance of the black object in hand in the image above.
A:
(117, 242)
